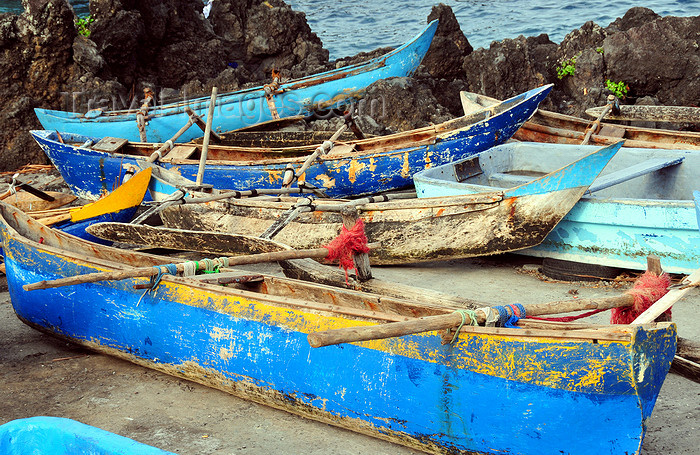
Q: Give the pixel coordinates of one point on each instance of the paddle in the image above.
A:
(128, 194)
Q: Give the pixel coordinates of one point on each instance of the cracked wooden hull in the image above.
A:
(494, 390)
(248, 107)
(410, 231)
(359, 167)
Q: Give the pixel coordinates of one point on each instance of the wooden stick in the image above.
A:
(207, 134)
(169, 144)
(152, 271)
(362, 268)
(451, 320)
(667, 301)
(596, 124)
(201, 124)
(320, 150)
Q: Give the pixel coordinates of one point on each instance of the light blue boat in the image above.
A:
(248, 107)
(498, 390)
(60, 436)
(696, 195)
(640, 205)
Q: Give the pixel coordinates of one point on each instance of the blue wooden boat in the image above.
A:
(410, 230)
(248, 107)
(640, 204)
(492, 390)
(61, 436)
(360, 167)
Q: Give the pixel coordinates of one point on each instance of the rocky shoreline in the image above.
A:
(171, 47)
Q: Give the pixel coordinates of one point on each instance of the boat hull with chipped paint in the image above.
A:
(362, 167)
(493, 390)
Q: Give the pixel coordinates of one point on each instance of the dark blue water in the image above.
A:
(81, 7)
(347, 27)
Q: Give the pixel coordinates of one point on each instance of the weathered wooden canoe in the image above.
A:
(360, 167)
(647, 210)
(251, 340)
(667, 114)
(413, 230)
(60, 436)
(552, 127)
(246, 107)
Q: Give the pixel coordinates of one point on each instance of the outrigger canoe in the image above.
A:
(242, 108)
(552, 127)
(410, 230)
(640, 205)
(560, 389)
(354, 168)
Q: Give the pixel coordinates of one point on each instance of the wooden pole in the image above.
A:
(671, 297)
(596, 124)
(152, 271)
(207, 134)
(451, 320)
(201, 124)
(169, 144)
(320, 150)
(363, 270)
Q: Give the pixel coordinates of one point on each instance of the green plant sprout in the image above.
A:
(619, 89)
(567, 67)
(83, 24)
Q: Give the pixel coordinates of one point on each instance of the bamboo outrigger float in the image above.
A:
(249, 338)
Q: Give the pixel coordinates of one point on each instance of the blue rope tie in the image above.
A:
(505, 319)
(171, 269)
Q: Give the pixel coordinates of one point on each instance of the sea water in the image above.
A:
(347, 27)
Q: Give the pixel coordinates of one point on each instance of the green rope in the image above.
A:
(472, 321)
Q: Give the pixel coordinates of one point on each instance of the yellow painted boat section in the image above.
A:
(534, 360)
(127, 195)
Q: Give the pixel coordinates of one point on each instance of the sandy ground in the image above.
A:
(43, 376)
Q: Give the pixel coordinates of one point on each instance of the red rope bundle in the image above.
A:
(647, 289)
(349, 242)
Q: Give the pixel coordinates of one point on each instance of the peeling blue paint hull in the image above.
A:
(509, 391)
(620, 225)
(59, 436)
(249, 107)
(380, 168)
